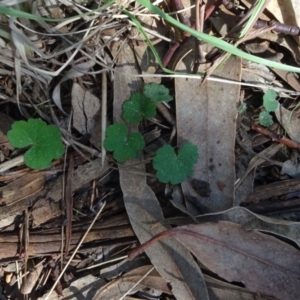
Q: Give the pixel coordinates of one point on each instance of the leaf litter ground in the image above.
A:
(136, 206)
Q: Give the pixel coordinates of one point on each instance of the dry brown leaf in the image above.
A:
(261, 262)
(290, 122)
(171, 260)
(117, 288)
(22, 187)
(220, 290)
(76, 71)
(86, 114)
(31, 279)
(81, 289)
(257, 160)
(250, 221)
(43, 211)
(206, 116)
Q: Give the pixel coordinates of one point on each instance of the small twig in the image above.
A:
(178, 6)
(75, 251)
(102, 263)
(186, 35)
(199, 25)
(271, 161)
(26, 244)
(103, 114)
(279, 27)
(123, 297)
(254, 34)
(275, 137)
(213, 6)
(69, 205)
(17, 161)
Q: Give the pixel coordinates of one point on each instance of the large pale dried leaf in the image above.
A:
(117, 288)
(86, 114)
(206, 116)
(170, 259)
(290, 122)
(220, 290)
(250, 221)
(77, 71)
(21, 188)
(80, 289)
(262, 263)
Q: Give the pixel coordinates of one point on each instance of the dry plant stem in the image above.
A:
(75, 251)
(275, 137)
(69, 205)
(199, 53)
(186, 35)
(123, 297)
(140, 249)
(26, 241)
(224, 56)
(279, 27)
(103, 263)
(213, 6)
(92, 198)
(17, 161)
(244, 19)
(103, 114)
(254, 34)
(19, 277)
(177, 5)
(274, 162)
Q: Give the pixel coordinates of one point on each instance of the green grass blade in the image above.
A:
(218, 42)
(254, 15)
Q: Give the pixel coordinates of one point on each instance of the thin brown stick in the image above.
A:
(275, 137)
(69, 205)
(199, 25)
(75, 251)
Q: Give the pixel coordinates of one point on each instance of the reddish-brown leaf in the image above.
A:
(262, 263)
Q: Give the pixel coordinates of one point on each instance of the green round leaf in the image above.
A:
(269, 100)
(157, 92)
(265, 119)
(19, 136)
(45, 140)
(116, 136)
(173, 168)
(122, 145)
(188, 155)
(137, 107)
